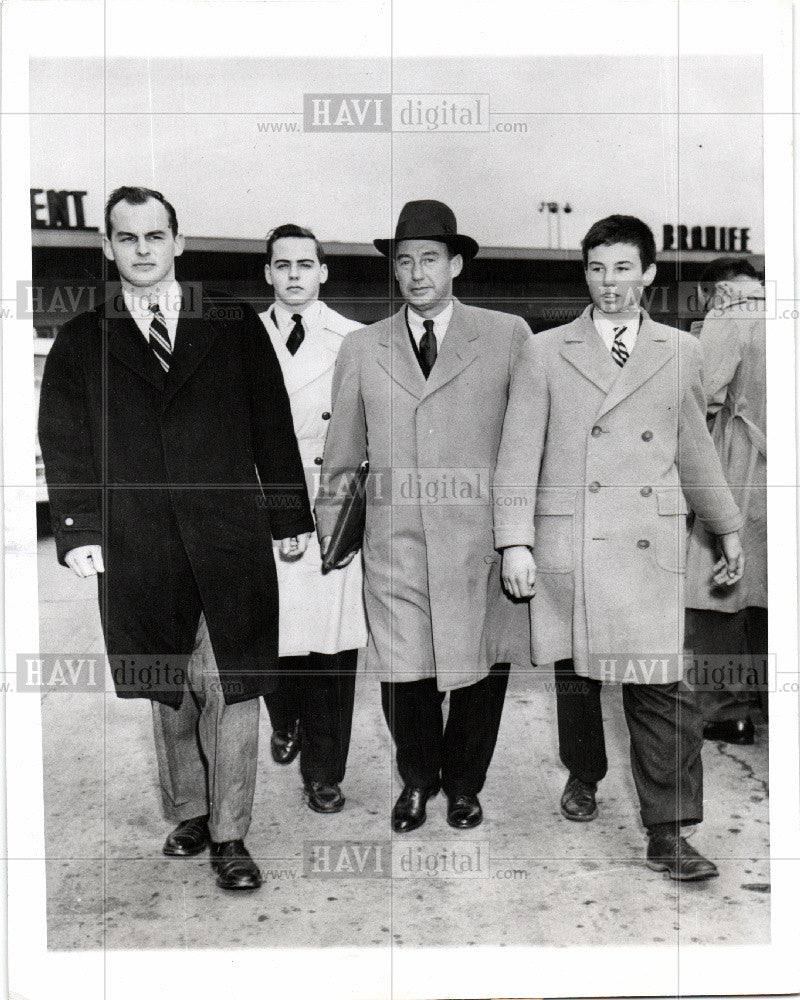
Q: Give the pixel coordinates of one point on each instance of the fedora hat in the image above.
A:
(429, 220)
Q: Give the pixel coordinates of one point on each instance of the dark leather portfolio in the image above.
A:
(348, 533)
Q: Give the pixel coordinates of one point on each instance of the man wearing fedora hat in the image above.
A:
(429, 397)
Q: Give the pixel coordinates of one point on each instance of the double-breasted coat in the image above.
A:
(733, 341)
(183, 480)
(432, 585)
(321, 614)
(618, 452)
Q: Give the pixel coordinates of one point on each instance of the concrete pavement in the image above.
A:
(524, 877)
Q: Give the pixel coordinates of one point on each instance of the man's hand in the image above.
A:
(730, 567)
(326, 541)
(519, 571)
(293, 548)
(85, 560)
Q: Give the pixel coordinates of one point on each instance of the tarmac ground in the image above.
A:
(345, 879)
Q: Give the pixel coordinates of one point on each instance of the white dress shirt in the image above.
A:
(281, 316)
(138, 303)
(606, 326)
(440, 324)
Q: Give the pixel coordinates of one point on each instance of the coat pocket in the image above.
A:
(671, 536)
(554, 523)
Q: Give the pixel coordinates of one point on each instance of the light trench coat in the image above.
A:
(617, 452)
(733, 341)
(435, 605)
(321, 614)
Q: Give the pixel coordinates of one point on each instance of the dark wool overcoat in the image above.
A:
(183, 479)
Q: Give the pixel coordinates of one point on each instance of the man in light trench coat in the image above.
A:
(729, 624)
(619, 432)
(427, 396)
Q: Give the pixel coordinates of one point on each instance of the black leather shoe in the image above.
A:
(285, 746)
(464, 811)
(409, 810)
(578, 801)
(324, 796)
(669, 852)
(235, 868)
(741, 732)
(188, 838)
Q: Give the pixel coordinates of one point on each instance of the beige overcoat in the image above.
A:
(733, 340)
(616, 452)
(435, 606)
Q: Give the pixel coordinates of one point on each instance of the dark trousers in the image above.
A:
(317, 690)
(665, 728)
(457, 754)
(735, 636)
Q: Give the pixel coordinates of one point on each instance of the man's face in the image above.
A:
(295, 271)
(141, 244)
(615, 277)
(425, 272)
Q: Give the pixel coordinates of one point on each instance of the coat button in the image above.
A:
(596, 431)
(646, 491)
(326, 415)
(594, 487)
(317, 460)
(643, 543)
(647, 436)
(68, 521)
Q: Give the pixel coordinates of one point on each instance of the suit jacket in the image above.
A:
(431, 569)
(323, 614)
(734, 345)
(183, 480)
(617, 453)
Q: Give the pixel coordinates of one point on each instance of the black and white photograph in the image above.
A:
(399, 602)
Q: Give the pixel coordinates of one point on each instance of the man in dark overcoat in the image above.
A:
(171, 464)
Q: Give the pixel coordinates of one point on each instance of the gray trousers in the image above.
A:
(207, 751)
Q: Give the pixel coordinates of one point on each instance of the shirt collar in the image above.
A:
(281, 316)
(607, 327)
(138, 301)
(440, 322)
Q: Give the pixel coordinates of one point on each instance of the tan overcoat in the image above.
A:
(430, 564)
(616, 452)
(734, 343)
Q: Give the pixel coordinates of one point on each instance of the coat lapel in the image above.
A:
(127, 344)
(396, 355)
(459, 349)
(651, 353)
(193, 341)
(316, 356)
(584, 349)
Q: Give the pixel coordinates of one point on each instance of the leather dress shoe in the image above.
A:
(235, 868)
(409, 810)
(285, 746)
(669, 852)
(464, 811)
(578, 801)
(741, 732)
(324, 796)
(188, 838)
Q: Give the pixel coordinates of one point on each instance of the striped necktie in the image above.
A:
(159, 337)
(619, 352)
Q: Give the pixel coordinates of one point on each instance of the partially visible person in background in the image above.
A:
(730, 623)
(322, 619)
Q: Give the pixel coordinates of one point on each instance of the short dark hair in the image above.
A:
(139, 196)
(726, 269)
(290, 229)
(621, 229)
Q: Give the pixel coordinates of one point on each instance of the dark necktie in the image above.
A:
(427, 348)
(159, 338)
(295, 338)
(619, 352)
